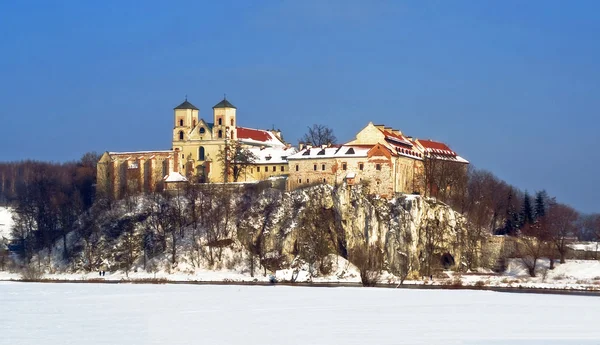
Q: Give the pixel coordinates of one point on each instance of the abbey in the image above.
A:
(218, 150)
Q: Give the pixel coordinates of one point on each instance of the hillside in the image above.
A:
(221, 234)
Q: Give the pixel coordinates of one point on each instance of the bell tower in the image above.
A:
(185, 118)
(225, 120)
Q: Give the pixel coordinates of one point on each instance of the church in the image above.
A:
(198, 154)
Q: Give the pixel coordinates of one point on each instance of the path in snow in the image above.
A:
(184, 314)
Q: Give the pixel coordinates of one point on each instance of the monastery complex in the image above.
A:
(382, 158)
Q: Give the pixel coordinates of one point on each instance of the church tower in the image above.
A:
(225, 120)
(186, 118)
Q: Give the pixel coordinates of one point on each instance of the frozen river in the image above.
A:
(33, 313)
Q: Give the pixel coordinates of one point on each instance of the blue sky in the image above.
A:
(513, 86)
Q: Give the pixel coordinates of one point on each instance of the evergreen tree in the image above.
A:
(526, 211)
(512, 217)
(540, 204)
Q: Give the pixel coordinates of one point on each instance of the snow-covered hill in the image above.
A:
(6, 222)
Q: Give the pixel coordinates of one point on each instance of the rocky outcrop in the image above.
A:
(411, 231)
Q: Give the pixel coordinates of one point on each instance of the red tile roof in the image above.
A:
(254, 134)
(436, 147)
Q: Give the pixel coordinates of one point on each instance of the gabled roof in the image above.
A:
(224, 104)
(175, 177)
(396, 137)
(186, 105)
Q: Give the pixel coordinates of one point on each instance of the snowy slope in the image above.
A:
(176, 314)
(6, 222)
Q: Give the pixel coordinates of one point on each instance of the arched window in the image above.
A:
(194, 123)
(181, 122)
(201, 153)
(202, 130)
(231, 135)
(231, 122)
(180, 135)
(220, 133)
(220, 121)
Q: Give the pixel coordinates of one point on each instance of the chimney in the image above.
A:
(309, 146)
(397, 131)
(381, 127)
(301, 146)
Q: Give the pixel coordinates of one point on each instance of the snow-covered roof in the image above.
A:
(398, 138)
(258, 137)
(439, 150)
(272, 155)
(344, 151)
(175, 177)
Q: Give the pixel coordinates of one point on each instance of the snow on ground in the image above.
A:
(573, 274)
(6, 222)
(37, 313)
(585, 246)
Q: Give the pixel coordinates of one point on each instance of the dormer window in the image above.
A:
(202, 130)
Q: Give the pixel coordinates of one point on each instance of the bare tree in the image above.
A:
(369, 261)
(562, 225)
(433, 236)
(316, 226)
(235, 159)
(318, 135)
(532, 245)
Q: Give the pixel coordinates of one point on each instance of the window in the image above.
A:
(282, 168)
(180, 135)
(180, 122)
(307, 180)
(324, 180)
(202, 130)
(201, 153)
(344, 166)
(361, 166)
(257, 169)
(231, 135)
(194, 122)
(315, 167)
(220, 121)
(378, 166)
(220, 133)
(322, 166)
(274, 168)
(231, 122)
(182, 156)
(297, 167)
(299, 180)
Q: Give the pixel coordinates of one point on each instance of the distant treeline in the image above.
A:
(47, 197)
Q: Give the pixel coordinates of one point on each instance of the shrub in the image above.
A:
(479, 283)
(31, 273)
(369, 261)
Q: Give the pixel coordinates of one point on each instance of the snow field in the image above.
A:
(183, 314)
